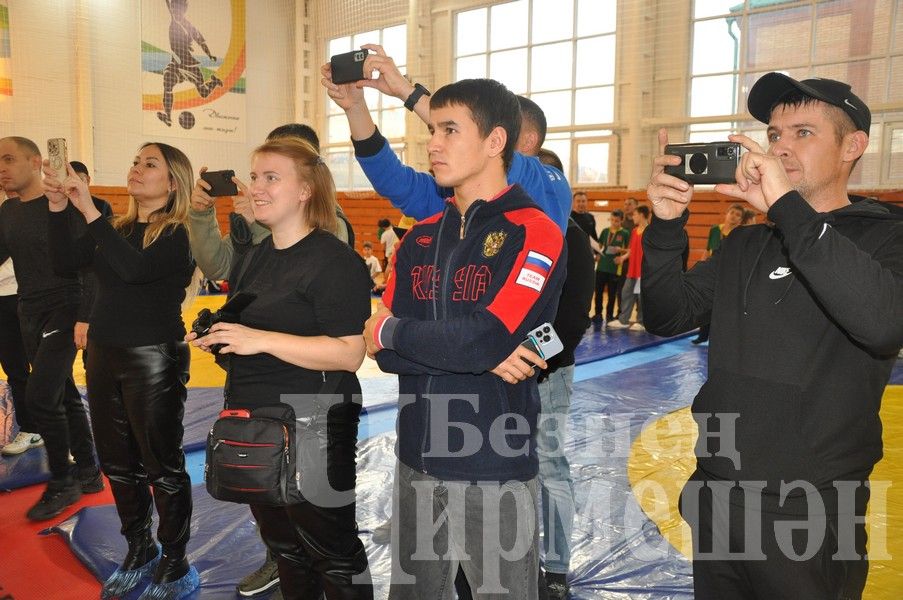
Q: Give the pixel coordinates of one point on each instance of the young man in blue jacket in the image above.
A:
(470, 282)
(806, 322)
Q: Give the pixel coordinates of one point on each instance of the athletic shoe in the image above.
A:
(167, 120)
(382, 534)
(616, 324)
(23, 441)
(261, 580)
(91, 480)
(57, 497)
(637, 327)
(216, 81)
(557, 586)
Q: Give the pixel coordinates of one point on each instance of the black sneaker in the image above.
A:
(167, 120)
(91, 481)
(57, 497)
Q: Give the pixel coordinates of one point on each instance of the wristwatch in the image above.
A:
(419, 91)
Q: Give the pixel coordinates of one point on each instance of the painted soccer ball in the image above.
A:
(186, 120)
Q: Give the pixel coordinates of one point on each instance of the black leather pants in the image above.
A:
(317, 547)
(137, 401)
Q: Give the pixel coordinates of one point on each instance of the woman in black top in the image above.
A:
(137, 358)
(300, 336)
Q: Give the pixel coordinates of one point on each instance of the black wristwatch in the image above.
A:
(419, 91)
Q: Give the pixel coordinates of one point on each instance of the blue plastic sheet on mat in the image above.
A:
(611, 556)
(605, 343)
(896, 376)
(224, 545)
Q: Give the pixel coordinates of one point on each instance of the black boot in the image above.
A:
(140, 561)
(174, 578)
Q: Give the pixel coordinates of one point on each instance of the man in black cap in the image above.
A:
(806, 322)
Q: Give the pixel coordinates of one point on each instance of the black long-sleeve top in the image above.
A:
(806, 322)
(23, 236)
(139, 290)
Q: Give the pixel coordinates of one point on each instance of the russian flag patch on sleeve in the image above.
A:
(535, 270)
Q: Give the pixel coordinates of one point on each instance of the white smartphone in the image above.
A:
(58, 157)
(544, 341)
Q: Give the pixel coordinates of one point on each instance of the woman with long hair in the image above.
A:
(137, 358)
(301, 336)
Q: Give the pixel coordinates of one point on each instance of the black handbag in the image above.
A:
(252, 457)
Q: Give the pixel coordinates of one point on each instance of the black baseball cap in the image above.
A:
(771, 87)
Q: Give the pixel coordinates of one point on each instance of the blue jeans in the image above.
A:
(488, 528)
(556, 485)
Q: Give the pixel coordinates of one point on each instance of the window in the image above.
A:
(388, 113)
(735, 42)
(561, 54)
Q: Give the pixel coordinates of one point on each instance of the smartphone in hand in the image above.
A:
(544, 341)
(221, 183)
(58, 157)
(349, 66)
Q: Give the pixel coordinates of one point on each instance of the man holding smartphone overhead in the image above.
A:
(806, 323)
(48, 308)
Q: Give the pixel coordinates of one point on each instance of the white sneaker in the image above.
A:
(637, 327)
(616, 324)
(24, 441)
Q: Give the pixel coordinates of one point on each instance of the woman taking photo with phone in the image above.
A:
(137, 357)
(302, 336)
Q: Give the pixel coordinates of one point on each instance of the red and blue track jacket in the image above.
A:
(465, 291)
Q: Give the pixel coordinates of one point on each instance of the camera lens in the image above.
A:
(698, 163)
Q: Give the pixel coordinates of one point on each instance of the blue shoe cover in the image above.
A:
(173, 590)
(122, 582)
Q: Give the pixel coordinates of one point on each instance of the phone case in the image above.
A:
(221, 183)
(348, 67)
(546, 339)
(58, 157)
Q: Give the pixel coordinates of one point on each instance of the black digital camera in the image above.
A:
(228, 313)
(714, 162)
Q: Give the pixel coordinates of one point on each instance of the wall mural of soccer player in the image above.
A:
(184, 66)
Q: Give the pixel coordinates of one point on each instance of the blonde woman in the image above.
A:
(301, 335)
(137, 360)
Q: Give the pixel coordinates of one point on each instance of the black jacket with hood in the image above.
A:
(806, 322)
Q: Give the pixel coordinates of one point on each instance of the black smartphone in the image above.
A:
(714, 162)
(349, 66)
(221, 183)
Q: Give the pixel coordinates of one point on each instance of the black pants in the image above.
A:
(13, 360)
(774, 574)
(612, 283)
(317, 547)
(53, 401)
(137, 399)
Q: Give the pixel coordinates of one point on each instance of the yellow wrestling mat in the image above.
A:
(661, 460)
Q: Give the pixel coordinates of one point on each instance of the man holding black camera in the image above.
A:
(806, 322)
